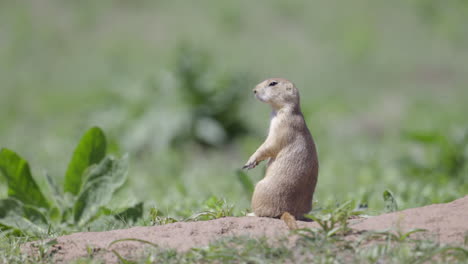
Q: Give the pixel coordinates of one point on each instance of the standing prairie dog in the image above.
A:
(292, 169)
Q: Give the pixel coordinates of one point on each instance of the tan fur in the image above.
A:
(289, 220)
(292, 169)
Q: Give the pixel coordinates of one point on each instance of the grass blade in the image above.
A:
(133, 240)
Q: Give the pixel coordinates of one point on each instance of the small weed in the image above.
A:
(157, 218)
(396, 236)
(334, 221)
(11, 252)
(390, 202)
(214, 208)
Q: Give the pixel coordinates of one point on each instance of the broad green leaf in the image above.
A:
(103, 214)
(34, 215)
(90, 150)
(246, 182)
(56, 198)
(14, 214)
(53, 188)
(91, 199)
(55, 215)
(21, 184)
(9, 209)
(131, 214)
(109, 166)
(123, 198)
(390, 202)
(102, 181)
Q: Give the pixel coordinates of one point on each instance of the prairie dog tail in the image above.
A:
(289, 220)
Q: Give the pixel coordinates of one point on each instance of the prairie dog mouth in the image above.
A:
(259, 97)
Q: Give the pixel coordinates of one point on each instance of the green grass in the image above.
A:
(383, 91)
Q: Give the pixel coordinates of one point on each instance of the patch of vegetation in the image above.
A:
(391, 204)
(436, 154)
(334, 221)
(213, 100)
(89, 184)
(10, 250)
(213, 208)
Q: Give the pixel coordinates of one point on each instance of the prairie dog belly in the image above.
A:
(292, 165)
(288, 186)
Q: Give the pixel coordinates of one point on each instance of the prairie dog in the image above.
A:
(292, 169)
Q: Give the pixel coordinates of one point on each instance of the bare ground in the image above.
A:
(446, 223)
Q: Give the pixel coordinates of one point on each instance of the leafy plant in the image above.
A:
(214, 208)
(333, 221)
(444, 154)
(90, 182)
(390, 202)
(214, 100)
(158, 218)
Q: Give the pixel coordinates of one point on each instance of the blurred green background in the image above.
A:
(383, 85)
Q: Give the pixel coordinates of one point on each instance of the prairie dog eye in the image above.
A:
(273, 83)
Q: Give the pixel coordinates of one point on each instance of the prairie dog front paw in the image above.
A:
(252, 163)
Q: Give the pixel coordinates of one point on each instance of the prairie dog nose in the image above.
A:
(255, 91)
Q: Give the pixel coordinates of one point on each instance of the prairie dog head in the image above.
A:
(277, 92)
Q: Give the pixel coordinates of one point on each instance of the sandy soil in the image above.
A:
(446, 223)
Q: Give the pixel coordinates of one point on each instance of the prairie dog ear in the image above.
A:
(289, 87)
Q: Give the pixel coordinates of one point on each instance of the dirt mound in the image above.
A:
(447, 223)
